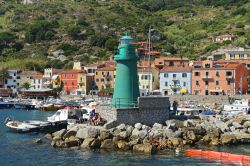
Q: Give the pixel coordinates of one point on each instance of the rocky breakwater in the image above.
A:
(173, 134)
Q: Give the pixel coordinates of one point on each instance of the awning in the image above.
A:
(217, 90)
(184, 90)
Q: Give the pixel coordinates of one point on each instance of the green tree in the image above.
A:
(26, 85)
(111, 43)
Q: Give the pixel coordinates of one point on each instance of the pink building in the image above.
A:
(215, 79)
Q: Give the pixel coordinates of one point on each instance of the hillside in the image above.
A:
(31, 35)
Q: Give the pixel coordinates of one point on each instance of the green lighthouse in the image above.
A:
(126, 89)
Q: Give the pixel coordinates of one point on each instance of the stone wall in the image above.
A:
(151, 110)
(203, 99)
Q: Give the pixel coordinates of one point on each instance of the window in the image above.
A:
(73, 83)
(14, 80)
(97, 80)
(217, 74)
(166, 75)
(184, 75)
(166, 83)
(102, 80)
(171, 63)
(184, 84)
(206, 83)
(228, 73)
(145, 77)
(241, 56)
(197, 73)
(207, 73)
(197, 83)
(142, 77)
(96, 73)
(232, 56)
(174, 75)
(72, 75)
(228, 82)
(248, 56)
(217, 83)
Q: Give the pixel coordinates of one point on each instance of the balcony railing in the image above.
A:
(207, 77)
(175, 86)
(229, 77)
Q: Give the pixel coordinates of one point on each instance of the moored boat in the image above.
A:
(236, 108)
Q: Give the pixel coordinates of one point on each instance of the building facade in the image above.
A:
(38, 82)
(105, 77)
(12, 81)
(170, 62)
(238, 54)
(26, 77)
(69, 79)
(175, 80)
(219, 79)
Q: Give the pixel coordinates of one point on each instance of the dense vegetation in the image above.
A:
(89, 30)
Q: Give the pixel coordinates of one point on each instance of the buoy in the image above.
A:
(222, 157)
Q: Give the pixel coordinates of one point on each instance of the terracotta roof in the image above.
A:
(223, 36)
(38, 76)
(30, 72)
(162, 59)
(73, 71)
(176, 68)
(106, 68)
(232, 65)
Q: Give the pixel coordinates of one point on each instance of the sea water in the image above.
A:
(19, 150)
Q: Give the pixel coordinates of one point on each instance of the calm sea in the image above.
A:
(19, 150)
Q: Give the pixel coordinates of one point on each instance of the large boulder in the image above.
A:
(124, 135)
(138, 126)
(246, 124)
(177, 123)
(69, 134)
(242, 137)
(141, 134)
(87, 142)
(176, 141)
(87, 133)
(122, 145)
(228, 138)
(237, 125)
(121, 127)
(59, 133)
(130, 129)
(107, 144)
(157, 126)
(168, 133)
(105, 134)
(71, 142)
(144, 148)
(95, 144)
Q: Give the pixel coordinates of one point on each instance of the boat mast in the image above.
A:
(149, 50)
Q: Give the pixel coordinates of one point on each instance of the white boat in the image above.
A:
(189, 108)
(237, 107)
(21, 126)
(68, 114)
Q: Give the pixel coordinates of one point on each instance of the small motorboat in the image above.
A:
(21, 126)
(236, 108)
(35, 125)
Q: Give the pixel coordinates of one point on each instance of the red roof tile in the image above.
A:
(73, 71)
(176, 68)
(38, 76)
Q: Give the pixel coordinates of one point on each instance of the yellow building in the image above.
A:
(105, 77)
(238, 54)
(85, 82)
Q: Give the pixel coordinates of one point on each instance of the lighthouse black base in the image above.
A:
(150, 110)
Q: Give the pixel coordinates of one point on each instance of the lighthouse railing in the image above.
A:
(125, 103)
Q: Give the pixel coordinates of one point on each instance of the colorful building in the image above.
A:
(105, 77)
(12, 81)
(238, 54)
(26, 77)
(216, 79)
(70, 80)
(175, 80)
(38, 82)
(170, 62)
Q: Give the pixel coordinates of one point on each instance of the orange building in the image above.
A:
(215, 79)
(171, 61)
(105, 77)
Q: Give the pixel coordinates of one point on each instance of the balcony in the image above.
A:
(207, 77)
(175, 86)
(175, 79)
(229, 77)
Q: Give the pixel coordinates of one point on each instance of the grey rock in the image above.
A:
(87, 142)
(69, 134)
(38, 140)
(87, 133)
(188, 123)
(124, 135)
(237, 125)
(130, 129)
(247, 124)
(96, 144)
(59, 133)
(138, 126)
(121, 127)
(228, 138)
(157, 126)
(145, 127)
(93, 132)
(105, 134)
(144, 148)
(107, 144)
